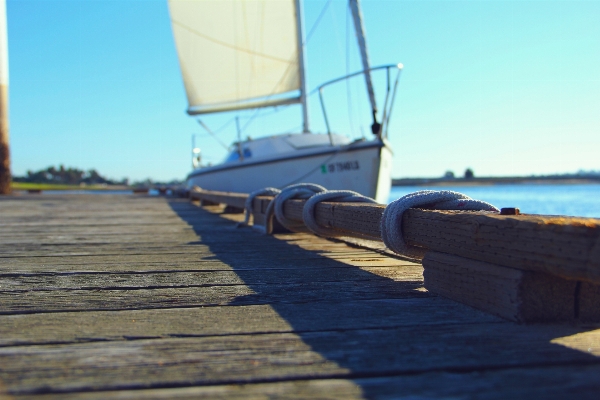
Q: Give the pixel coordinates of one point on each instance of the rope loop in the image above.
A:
(391, 221)
(268, 191)
(296, 191)
(344, 196)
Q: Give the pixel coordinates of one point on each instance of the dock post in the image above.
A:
(5, 175)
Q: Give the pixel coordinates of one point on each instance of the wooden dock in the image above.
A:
(140, 297)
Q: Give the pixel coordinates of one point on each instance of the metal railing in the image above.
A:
(388, 103)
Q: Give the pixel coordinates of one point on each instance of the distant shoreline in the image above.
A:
(484, 181)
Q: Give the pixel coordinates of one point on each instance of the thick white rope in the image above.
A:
(391, 221)
(297, 191)
(268, 191)
(343, 196)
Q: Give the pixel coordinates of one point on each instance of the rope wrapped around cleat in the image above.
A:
(391, 221)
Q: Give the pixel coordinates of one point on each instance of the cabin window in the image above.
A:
(235, 155)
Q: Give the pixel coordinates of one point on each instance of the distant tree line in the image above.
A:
(69, 176)
(469, 174)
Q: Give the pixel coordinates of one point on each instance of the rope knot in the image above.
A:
(391, 221)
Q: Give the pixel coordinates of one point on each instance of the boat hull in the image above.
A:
(364, 167)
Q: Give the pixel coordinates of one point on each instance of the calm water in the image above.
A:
(574, 200)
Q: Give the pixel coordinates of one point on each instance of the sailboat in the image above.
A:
(248, 54)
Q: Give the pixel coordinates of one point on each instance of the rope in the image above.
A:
(391, 221)
(268, 191)
(343, 196)
(314, 193)
(297, 191)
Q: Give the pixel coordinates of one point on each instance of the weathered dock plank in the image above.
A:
(198, 296)
(143, 297)
(73, 327)
(145, 363)
(23, 283)
(545, 383)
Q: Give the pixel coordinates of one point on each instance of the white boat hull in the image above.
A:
(363, 167)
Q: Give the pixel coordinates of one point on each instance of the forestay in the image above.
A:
(237, 54)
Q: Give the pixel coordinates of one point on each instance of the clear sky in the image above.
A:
(502, 87)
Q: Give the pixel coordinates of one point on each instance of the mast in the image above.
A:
(5, 176)
(362, 46)
(302, 63)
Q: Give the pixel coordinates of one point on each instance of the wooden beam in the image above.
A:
(522, 296)
(568, 247)
(353, 219)
(564, 246)
(588, 302)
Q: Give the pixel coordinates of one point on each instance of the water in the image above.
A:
(547, 199)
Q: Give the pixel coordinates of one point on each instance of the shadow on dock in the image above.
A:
(388, 333)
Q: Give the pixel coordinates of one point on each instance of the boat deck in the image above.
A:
(141, 297)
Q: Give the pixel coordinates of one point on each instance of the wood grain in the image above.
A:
(72, 327)
(147, 297)
(540, 382)
(164, 362)
(523, 296)
(564, 246)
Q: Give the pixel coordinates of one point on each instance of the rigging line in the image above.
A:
(225, 125)
(261, 113)
(274, 110)
(231, 46)
(314, 27)
(258, 110)
(212, 134)
(312, 30)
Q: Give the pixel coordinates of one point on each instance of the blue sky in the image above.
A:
(502, 87)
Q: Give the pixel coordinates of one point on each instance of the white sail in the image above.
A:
(237, 54)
